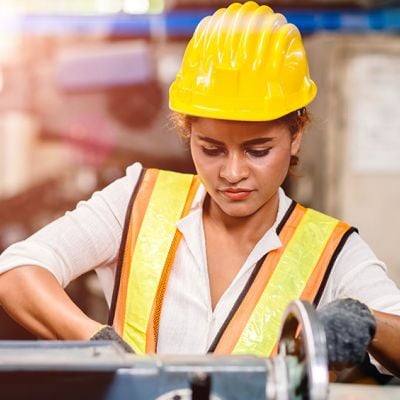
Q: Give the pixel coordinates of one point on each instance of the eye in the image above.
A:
(257, 152)
(213, 151)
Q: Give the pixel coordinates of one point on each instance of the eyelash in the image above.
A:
(258, 153)
(212, 152)
(218, 151)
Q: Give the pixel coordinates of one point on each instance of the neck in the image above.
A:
(249, 228)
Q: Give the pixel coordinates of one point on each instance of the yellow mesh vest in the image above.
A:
(310, 242)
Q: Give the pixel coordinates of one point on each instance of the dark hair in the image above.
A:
(295, 121)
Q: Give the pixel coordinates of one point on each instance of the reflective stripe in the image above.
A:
(287, 283)
(154, 320)
(314, 283)
(151, 250)
(135, 222)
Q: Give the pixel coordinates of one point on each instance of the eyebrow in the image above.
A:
(260, 140)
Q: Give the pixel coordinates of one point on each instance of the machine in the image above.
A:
(101, 370)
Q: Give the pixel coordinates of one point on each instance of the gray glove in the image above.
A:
(108, 333)
(349, 328)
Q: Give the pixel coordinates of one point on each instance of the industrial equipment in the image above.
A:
(101, 370)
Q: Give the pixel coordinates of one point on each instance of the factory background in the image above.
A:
(84, 94)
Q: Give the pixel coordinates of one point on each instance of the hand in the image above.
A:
(349, 328)
(108, 333)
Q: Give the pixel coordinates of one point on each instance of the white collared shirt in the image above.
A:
(89, 238)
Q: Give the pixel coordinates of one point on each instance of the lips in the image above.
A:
(236, 194)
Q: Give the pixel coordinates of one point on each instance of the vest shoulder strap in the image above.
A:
(122, 246)
(145, 263)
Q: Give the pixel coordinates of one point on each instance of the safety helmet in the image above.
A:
(245, 63)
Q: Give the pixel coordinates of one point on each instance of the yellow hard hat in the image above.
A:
(244, 63)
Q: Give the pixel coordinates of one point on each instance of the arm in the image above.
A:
(385, 347)
(358, 274)
(82, 240)
(34, 298)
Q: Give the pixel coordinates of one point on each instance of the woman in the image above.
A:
(209, 262)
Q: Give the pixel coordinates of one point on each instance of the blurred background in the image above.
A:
(83, 94)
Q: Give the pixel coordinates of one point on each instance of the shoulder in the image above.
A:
(308, 215)
(357, 272)
(360, 274)
(118, 192)
(356, 250)
(133, 172)
(129, 181)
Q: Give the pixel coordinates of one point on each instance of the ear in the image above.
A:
(296, 142)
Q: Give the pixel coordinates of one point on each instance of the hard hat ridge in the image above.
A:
(244, 62)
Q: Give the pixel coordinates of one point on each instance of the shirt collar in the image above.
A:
(191, 226)
(270, 240)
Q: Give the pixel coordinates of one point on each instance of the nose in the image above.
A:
(234, 168)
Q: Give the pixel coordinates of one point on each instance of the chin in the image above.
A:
(237, 210)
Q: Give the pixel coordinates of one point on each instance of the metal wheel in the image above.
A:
(303, 336)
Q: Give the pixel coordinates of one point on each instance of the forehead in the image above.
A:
(227, 130)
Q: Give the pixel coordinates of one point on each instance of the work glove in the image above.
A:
(349, 328)
(108, 333)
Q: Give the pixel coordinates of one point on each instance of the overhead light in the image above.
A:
(136, 6)
(7, 9)
(108, 7)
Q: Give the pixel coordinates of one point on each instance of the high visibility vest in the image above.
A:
(299, 268)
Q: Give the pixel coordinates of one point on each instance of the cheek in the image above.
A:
(275, 167)
(279, 158)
